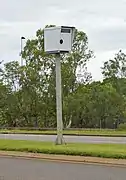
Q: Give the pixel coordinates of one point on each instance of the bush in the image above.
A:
(122, 126)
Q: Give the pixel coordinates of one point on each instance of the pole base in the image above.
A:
(60, 140)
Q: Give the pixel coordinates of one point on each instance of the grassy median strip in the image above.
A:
(117, 151)
(93, 132)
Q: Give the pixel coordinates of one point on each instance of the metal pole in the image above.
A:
(21, 51)
(22, 38)
(59, 139)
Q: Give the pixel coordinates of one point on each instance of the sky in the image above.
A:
(104, 22)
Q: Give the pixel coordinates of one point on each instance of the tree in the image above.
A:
(4, 93)
(114, 72)
(28, 97)
(96, 105)
(42, 69)
(28, 92)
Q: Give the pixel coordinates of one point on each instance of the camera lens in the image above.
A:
(61, 41)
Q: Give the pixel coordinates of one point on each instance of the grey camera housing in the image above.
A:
(58, 39)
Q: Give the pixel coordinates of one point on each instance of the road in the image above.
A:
(73, 139)
(20, 169)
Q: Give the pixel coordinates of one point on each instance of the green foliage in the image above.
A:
(93, 150)
(122, 126)
(27, 93)
(32, 100)
(115, 68)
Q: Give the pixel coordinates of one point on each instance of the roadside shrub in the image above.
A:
(122, 126)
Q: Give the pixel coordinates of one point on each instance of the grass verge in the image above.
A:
(117, 151)
(93, 132)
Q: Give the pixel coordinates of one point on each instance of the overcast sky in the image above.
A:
(103, 21)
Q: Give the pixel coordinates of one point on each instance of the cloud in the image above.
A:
(109, 37)
(103, 21)
(94, 66)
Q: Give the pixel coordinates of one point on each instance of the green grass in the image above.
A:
(117, 151)
(86, 132)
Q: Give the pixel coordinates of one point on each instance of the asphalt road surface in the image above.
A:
(72, 139)
(20, 169)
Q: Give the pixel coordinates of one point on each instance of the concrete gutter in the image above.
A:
(64, 158)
